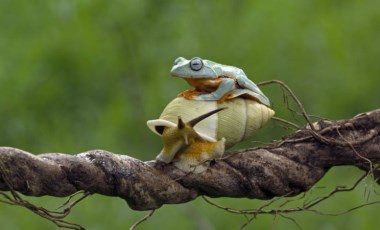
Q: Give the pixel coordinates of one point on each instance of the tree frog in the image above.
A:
(213, 81)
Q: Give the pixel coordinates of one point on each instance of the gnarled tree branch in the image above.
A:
(285, 168)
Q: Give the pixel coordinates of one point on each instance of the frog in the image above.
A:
(215, 82)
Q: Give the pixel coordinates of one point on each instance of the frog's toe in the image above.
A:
(206, 97)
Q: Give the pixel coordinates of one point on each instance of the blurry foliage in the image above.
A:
(80, 75)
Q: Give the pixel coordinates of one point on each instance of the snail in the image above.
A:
(237, 122)
(224, 108)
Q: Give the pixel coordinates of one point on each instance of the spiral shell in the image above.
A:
(236, 123)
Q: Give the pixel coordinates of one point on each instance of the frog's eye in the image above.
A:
(196, 64)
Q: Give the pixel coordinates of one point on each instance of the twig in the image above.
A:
(292, 220)
(295, 126)
(296, 100)
(307, 206)
(135, 225)
(313, 131)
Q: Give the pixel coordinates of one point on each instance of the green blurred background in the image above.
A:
(81, 75)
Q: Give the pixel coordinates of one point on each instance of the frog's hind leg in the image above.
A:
(250, 94)
(224, 88)
(252, 88)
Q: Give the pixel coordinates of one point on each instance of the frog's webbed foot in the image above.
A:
(189, 94)
(198, 96)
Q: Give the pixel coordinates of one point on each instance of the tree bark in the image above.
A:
(285, 168)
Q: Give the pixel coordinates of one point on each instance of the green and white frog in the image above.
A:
(213, 81)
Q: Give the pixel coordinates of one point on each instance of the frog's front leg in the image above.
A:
(226, 85)
(244, 82)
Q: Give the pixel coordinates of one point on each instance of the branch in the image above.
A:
(284, 168)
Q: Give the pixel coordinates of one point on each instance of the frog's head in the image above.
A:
(194, 68)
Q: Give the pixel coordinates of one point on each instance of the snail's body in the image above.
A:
(184, 146)
(195, 158)
(226, 128)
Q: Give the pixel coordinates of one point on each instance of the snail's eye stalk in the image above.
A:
(181, 124)
(196, 120)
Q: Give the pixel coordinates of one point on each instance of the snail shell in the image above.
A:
(236, 123)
